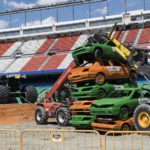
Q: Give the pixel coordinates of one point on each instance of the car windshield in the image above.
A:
(120, 93)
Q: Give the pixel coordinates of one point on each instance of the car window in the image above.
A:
(105, 63)
(146, 93)
(116, 63)
(120, 93)
(136, 94)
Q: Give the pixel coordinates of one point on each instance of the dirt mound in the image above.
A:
(16, 113)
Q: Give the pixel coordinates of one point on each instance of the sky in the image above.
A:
(50, 16)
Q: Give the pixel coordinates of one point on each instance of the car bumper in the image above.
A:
(116, 125)
(81, 92)
(82, 121)
(104, 111)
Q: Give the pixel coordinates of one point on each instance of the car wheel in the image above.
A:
(133, 76)
(124, 113)
(30, 94)
(142, 117)
(63, 116)
(98, 54)
(4, 94)
(40, 115)
(101, 93)
(100, 79)
(125, 127)
(78, 62)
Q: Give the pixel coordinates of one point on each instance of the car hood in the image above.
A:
(109, 101)
(80, 69)
(84, 47)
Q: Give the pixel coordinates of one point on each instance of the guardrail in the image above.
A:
(48, 139)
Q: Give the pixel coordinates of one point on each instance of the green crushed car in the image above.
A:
(82, 121)
(93, 51)
(97, 91)
(120, 104)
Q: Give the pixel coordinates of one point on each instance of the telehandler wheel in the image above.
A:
(63, 116)
(40, 115)
(142, 117)
(31, 94)
(4, 94)
(100, 79)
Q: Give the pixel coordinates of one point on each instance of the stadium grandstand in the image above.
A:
(42, 52)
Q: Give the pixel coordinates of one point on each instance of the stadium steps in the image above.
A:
(44, 63)
(68, 59)
(132, 34)
(18, 49)
(12, 49)
(45, 46)
(32, 46)
(137, 38)
(54, 62)
(80, 41)
(124, 36)
(4, 47)
(50, 47)
(17, 64)
(120, 36)
(34, 63)
(66, 62)
(145, 38)
(65, 43)
(5, 63)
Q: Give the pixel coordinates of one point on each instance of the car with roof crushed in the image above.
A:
(118, 105)
(96, 91)
(96, 50)
(100, 71)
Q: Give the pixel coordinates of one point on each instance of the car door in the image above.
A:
(115, 69)
(134, 100)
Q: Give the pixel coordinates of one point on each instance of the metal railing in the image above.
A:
(49, 139)
(9, 139)
(127, 140)
(46, 139)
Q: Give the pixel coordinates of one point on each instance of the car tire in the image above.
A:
(100, 79)
(41, 116)
(125, 127)
(31, 94)
(133, 76)
(101, 93)
(98, 54)
(141, 117)
(78, 62)
(63, 116)
(124, 113)
(4, 94)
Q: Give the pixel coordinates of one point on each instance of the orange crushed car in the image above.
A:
(81, 107)
(101, 71)
(116, 125)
